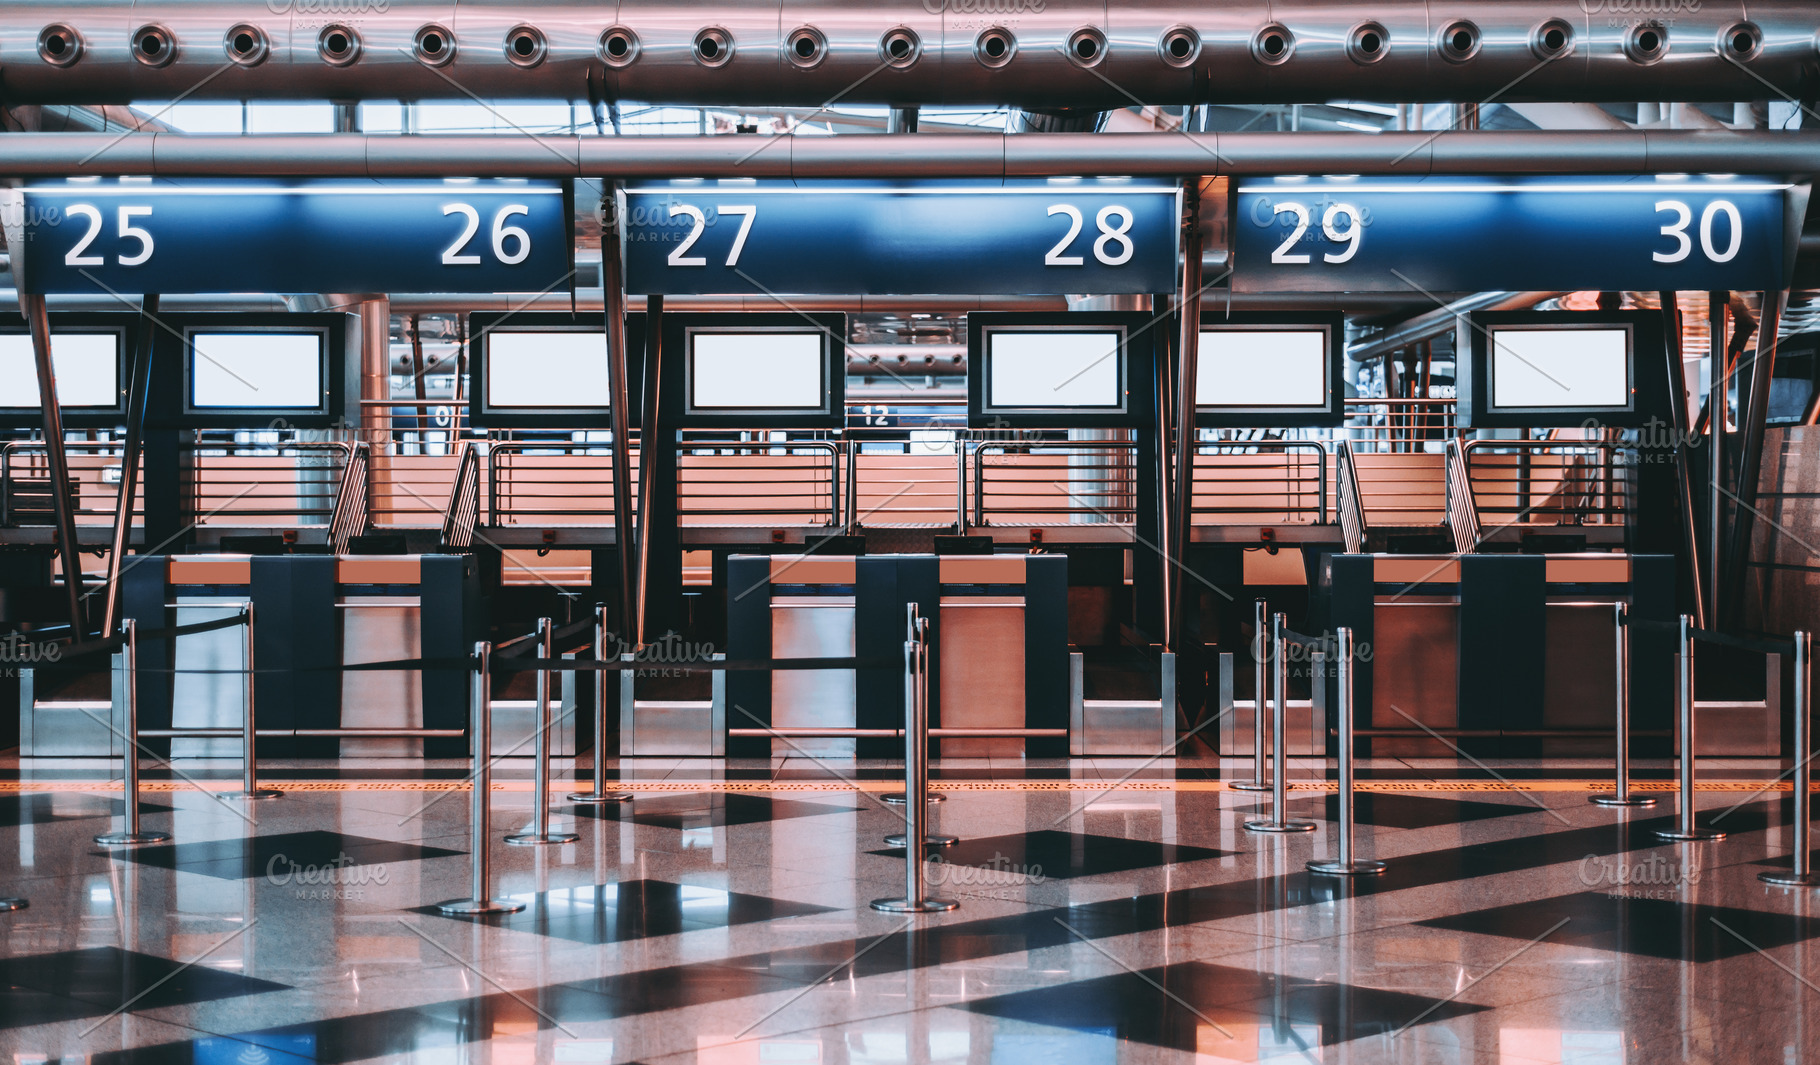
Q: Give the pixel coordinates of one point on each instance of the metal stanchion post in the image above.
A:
(540, 833)
(1621, 795)
(1685, 829)
(1260, 772)
(131, 834)
(481, 730)
(930, 839)
(250, 788)
(1346, 865)
(917, 631)
(916, 776)
(1279, 776)
(1803, 875)
(600, 792)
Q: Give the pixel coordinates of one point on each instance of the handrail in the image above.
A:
(350, 517)
(1110, 515)
(463, 511)
(1462, 508)
(1350, 505)
(574, 503)
(1576, 497)
(759, 449)
(1292, 489)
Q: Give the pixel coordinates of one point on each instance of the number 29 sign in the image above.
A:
(345, 236)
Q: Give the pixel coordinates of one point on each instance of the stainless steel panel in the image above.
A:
(982, 672)
(1304, 723)
(1741, 729)
(1415, 668)
(208, 700)
(379, 628)
(684, 728)
(74, 728)
(819, 626)
(515, 722)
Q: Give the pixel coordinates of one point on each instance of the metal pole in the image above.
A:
(1347, 865)
(1718, 417)
(480, 806)
(250, 788)
(1175, 531)
(619, 412)
(138, 393)
(131, 834)
(1803, 874)
(916, 775)
(1621, 795)
(920, 627)
(540, 833)
(601, 679)
(1279, 820)
(1685, 828)
(1260, 771)
(916, 628)
(63, 506)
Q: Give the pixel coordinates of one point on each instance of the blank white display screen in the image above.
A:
(242, 371)
(1542, 368)
(1263, 368)
(1043, 370)
(548, 371)
(87, 366)
(756, 371)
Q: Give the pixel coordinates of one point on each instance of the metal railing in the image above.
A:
(350, 517)
(25, 482)
(894, 480)
(554, 483)
(1462, 511)
(1080, 482)
(463, 508)
(1351, 508)
(757, 482)
(242, 483)
(1381, 424)
(1258, 481)
(1548, 482)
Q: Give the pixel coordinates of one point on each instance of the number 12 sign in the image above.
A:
(303, 237)
(1079, 237)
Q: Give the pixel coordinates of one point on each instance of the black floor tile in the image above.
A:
(43, 808)
(1051, 854)
(677, 986)
(1193, 997)
(637, 909)
(98, 980)
(1384, 810)
(706, 810)
(277, 855)
(1651, 927)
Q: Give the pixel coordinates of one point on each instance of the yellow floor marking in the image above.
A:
(772, 787)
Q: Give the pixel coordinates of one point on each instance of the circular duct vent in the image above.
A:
(1368, 43)
(1460, 41)
(1646, 43)
(618, 47)
(434, 45)
(1180, 46)
(806, 47)
(1743, 41)
(713, 47)
(526, 47)
(339, 46)
(246, 45)
(1552, 39)
(1273, 45)
(995, 47)
(900, 47)
(59, 45)
(1086, 47)
(154, 46)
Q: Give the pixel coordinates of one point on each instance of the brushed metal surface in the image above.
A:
(812, 626)
(202, 699)
(982, 671)
(379, 628)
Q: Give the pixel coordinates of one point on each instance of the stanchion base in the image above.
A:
(532, 839)
(1698, 835)
(1639, 801)
(1791, 879)
(473, 907)
(934, 839)
(259, 793)
(1280, 826)
(11, 905)
(906, 906)
(593, 797)
(1249, 785)
(896, 798)
(1358, 867)
(132, 839)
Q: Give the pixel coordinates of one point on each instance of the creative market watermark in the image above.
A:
(998, 878)
(1654, 877)
(340, 880)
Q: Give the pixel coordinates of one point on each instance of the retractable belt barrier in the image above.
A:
(1260, 772)
(1279, 821)
(916, 771)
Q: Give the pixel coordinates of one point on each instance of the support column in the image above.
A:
(626, 539)
(1188, 350)
(375, 419)
(63, 503)
(1716, 416)
(138, 393)
(1750, 453)
(1677, 386)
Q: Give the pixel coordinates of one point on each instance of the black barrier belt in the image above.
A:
(115, 643)
(1318, 643)
(1769, 645)
(526, 665)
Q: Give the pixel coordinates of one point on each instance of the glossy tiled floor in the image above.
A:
(730, 927)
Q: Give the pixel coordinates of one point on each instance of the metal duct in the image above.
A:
(930, 155)
(1083, 54)
(1442, 321)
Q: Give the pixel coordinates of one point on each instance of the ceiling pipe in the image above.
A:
(1442, 321)
(933, 155)
(1058, 54)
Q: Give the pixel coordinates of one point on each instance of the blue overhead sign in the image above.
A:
(127, 237)
(1451, 234)
(1080, 236)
